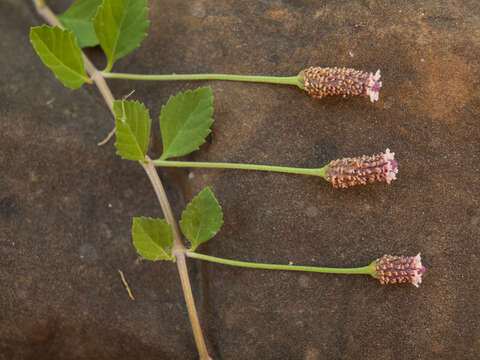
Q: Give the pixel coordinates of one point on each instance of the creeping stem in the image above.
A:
(287, 80)
(213, 165)
(368, 270)
(52, 19)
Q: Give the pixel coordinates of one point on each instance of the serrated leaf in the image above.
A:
(202, 218)
(120, 26)
(59, 50)
(133, 123)
(153, 238)
(79, 20)
(185, 122)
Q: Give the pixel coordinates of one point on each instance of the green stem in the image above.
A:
(288, 80)
(213, 165)
(360, 270)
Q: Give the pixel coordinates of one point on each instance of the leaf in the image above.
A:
(59, 50)
(120, 26)
(78, 19)
(202, 218)
(185, 122)
(133, 122)
(153, 238)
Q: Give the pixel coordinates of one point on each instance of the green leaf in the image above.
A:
(59, 50)
(153, 238)
(133, 122)
(78, 19)
(185, 122)
(202, 218)
(121, 26)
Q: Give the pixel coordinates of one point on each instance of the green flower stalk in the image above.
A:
(341, 173)
(318, 82)
(387, 269)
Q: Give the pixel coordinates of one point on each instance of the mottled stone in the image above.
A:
(59, 191)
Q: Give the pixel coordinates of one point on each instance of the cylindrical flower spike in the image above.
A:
(346, 172)
(398, 269)
(320, 82)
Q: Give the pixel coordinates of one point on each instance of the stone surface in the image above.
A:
(66, 205)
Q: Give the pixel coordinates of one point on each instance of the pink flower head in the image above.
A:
(346, 172)
(320, 82)
(399, 269)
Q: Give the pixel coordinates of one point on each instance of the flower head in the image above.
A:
(320, 82)
(346, 172)
(399, 269)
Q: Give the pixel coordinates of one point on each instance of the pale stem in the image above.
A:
(369, 270)
(214, 165)
(192, 311)
(51, 19)
(286, 80)
(164, 203)
(179, 250)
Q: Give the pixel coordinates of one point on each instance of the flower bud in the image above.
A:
(320, 82)
(343, 173)
(399, 269)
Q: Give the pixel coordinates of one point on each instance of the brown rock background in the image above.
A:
(66, 205)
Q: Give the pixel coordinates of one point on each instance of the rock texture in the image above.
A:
(66, 205)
